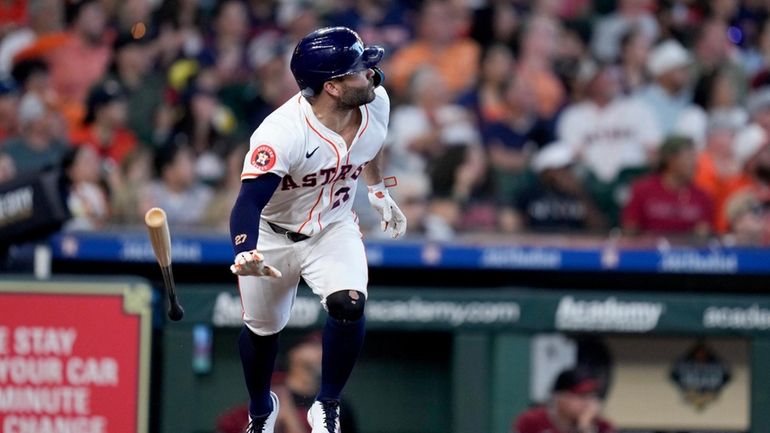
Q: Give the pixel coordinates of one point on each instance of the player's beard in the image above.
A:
(352, 97)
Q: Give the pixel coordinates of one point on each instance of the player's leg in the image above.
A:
(336, 270)
(267, 304)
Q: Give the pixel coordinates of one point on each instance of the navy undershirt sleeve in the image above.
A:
(244, 218)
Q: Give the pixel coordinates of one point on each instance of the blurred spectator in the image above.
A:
(713, 50)
(104, 127)
(511, 140)
(747, 221)
(81, 58)
(225, 48)
(270, 86)
(718, 172)
(497, 23)
(204, 121)
(36, 146)
(177, 189)
(296, 390)
(756, 57)
(715, 97)
(131, 13)
(127, 182)
(668, 95)
(440, 45)
(574, 407)
(43, 17)
(431, 132)
(486, 99)
(218, 213)
(748, 151)
(610, 29)
(537, 52)
(180, 23)
(87, 199)
(9, 106)
(615, 136)
(634, 48)
(572, 51)
(33, 75)
(556, 199)
(412, 193)
(669, 202)
(753, 153)
(11, 14)
(143, 87)
(7, 168)
(377, 21)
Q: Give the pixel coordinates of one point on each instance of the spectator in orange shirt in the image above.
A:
(718, 171)
(81, 59)
(105, 124)
(439, 45)
(537, 51)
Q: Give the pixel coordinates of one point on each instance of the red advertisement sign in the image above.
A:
(73, 358)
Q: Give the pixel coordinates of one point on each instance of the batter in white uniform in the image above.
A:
(293, 216)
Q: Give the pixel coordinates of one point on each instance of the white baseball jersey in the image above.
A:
(319, 172)
(319, 176)
(611, 138)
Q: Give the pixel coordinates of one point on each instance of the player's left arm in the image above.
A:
(380, 199)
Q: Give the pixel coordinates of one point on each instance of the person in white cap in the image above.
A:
(556, 200)
(668, 95)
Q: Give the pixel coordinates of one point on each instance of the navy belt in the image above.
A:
(290, 235)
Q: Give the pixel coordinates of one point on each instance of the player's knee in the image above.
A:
(346, 305)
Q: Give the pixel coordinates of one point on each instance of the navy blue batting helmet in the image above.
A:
(328, 53)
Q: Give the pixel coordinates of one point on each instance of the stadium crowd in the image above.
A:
(508, 116)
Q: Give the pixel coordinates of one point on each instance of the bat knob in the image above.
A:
(175, 312)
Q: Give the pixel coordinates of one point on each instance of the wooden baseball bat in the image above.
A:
(157, 226)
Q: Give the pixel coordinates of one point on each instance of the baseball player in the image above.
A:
(293, 216)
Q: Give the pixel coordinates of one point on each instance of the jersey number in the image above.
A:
(344, 191)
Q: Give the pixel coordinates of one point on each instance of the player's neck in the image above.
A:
(336, 119)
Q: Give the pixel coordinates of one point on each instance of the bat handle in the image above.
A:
(175, 310)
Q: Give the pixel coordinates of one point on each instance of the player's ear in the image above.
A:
(333, 88)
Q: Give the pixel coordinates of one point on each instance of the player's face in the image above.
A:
(357, 89)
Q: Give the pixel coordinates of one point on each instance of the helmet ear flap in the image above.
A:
(379, 76)
(307, 92)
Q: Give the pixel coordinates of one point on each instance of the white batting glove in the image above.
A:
(251, 263)
(391, 215)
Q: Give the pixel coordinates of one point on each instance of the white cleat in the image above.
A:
(324, 416)
(265, 424)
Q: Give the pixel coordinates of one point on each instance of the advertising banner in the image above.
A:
(74, 357)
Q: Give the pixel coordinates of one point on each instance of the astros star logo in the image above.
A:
(263, 157)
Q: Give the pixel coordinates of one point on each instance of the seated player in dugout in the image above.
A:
(293, 216)
(574, 407)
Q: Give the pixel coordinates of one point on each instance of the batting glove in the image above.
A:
(391, 215)
(251, 263)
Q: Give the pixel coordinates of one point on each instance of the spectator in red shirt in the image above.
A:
(669, 201)
(574, 408)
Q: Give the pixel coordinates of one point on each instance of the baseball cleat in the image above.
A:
(324, 416)
(265, 423)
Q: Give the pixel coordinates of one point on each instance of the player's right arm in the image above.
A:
(244, 225)
(263, 168)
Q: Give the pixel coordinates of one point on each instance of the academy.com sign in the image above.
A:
(609, 314)
(454, 313)
(307, 311)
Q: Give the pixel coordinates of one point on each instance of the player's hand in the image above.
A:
(251, 263)
(392, 217)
